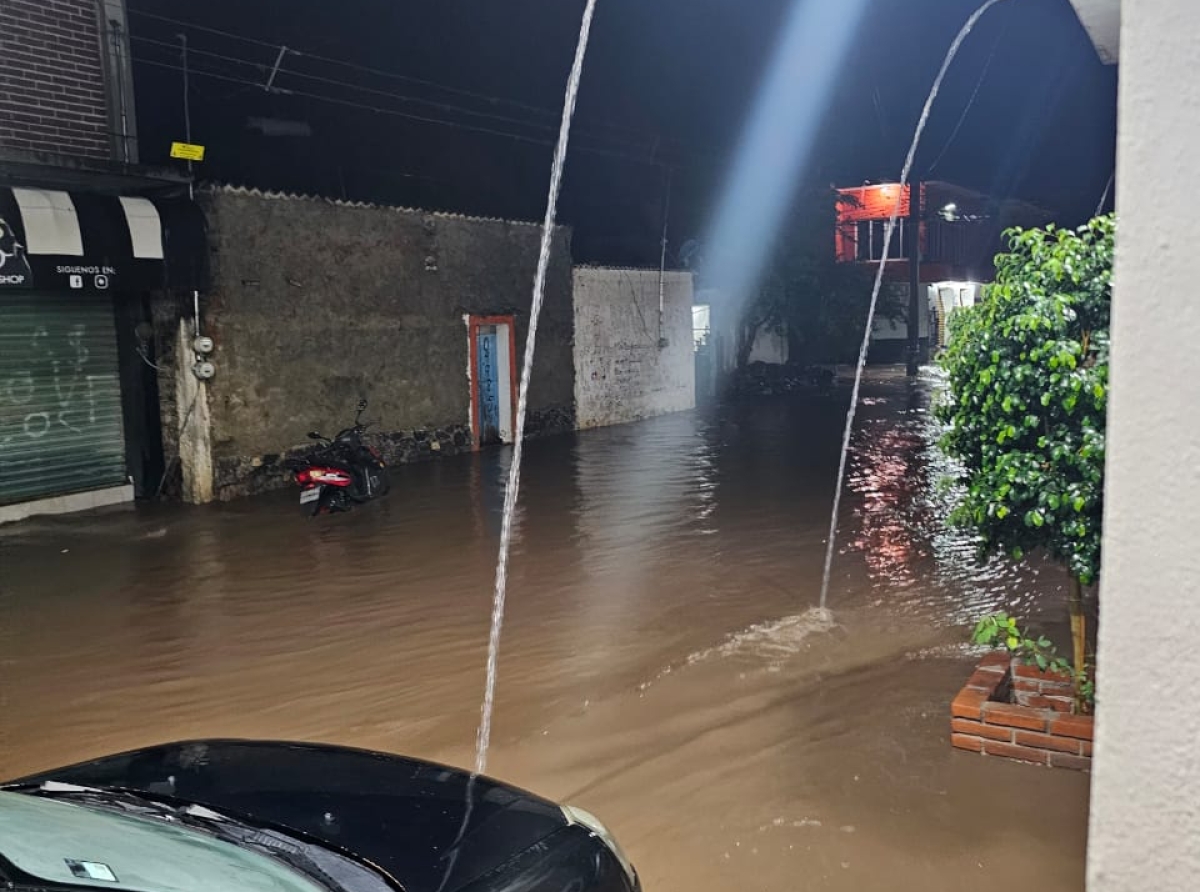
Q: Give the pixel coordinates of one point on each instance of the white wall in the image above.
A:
(1145, 821)
(724, 322)
(621, 373)
(769, 346)
(897, 330)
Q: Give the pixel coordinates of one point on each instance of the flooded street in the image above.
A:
(660, 666)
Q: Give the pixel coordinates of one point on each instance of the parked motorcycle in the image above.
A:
(346, 471)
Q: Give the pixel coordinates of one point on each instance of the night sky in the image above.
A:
(667, 82)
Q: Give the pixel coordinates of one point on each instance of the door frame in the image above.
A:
(474, 323)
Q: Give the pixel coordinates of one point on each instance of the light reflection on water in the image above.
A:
(906, 488)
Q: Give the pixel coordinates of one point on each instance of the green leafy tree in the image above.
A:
(820, 303)
(1002, 630)
(1026, 402)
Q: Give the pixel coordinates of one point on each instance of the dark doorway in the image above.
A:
(144, 456)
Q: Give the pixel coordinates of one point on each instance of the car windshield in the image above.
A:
(115, 839)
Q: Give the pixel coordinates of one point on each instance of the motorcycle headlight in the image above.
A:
(588, 821)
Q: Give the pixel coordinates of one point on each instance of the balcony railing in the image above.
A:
(960, 243)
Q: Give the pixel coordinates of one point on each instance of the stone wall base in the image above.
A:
(254, 475)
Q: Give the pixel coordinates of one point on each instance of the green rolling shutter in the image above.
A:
(61, 428)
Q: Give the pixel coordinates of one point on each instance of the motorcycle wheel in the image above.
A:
(334, 501)
(384, 485)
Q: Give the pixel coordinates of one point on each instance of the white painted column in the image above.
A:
(195, 424)
(504, 383)
(1145, 822)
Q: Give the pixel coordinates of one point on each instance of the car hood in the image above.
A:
(429, 826)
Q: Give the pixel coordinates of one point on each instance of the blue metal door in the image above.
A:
(489, 386)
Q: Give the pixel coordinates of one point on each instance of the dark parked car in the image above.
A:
(239, 816)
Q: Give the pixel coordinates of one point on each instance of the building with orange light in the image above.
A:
(957, 234)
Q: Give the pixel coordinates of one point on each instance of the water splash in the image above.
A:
(483, 738)
(831, 542)
(773, 641)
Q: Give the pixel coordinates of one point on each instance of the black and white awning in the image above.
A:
(73, 241)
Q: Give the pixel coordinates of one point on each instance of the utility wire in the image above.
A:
(378, 72)
(1104, 198)
(175, 459)
(400, 97)
(142, 351)
(974, 95)
(594, 150)
(883, 129)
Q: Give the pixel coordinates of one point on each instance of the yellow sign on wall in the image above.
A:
(187, 152)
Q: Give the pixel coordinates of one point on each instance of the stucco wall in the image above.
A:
(770, 346)
(622, 372)
(316, 304)
(1145, 822)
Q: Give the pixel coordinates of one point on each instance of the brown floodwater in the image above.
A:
(661, 664)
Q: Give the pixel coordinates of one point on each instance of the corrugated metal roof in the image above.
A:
(270, 195)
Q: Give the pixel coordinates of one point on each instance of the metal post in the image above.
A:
(187, 129)
(187, 106)
(113, 36)
(269, 85)
(913, 353)
(662, 265)
(118, 47)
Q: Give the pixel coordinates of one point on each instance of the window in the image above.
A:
(870, 237)
(701, 325)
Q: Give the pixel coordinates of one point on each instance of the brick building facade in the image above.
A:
(956, 238)
(88, 238)
(52, 78)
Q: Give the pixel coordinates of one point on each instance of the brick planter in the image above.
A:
(1038, 728)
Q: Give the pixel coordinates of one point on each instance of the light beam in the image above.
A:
(778, 140)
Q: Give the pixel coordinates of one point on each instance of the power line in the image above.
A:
(378, 72)
(400, 97)
(974, 94)
(406, 115)
(883, 130)
(195, 52)
(1104, 198)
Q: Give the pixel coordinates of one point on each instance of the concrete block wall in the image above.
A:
(316, 304)
(622, 372)
(52, 78)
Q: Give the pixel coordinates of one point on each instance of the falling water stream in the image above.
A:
(512, 491)
(771, 751)
(831, 541)
(514, 474)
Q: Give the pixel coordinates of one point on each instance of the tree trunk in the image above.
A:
(1078, 626)
(744, 346)
(747, 335)
(796, 346)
